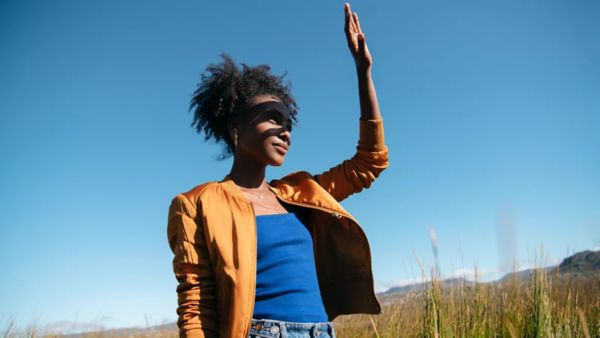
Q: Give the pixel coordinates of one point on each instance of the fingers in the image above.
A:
(356, 22)
(347, 21)
(353, 30)
(353, 20)
(349, 28)
(356, 38)
(352, 24)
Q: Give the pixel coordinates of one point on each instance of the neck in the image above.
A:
(247, 173)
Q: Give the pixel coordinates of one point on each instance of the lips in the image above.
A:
(282, 148)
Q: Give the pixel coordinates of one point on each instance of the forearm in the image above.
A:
(369, 107)
(196, 288)
(371, 136)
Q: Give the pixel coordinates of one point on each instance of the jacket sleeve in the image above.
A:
(358, 172)
(197, 308)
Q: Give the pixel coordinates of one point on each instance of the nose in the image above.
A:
(285, 135)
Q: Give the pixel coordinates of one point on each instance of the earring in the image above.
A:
(235, 137)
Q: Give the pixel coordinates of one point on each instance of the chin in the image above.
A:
(275, 159)
(277, 163)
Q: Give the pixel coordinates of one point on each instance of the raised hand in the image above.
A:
(356, 40)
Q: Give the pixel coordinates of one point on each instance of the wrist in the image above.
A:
(363, 71)
(364, 76)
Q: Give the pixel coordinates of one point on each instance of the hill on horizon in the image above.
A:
(583, 264)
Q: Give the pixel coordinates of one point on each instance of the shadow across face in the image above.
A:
(269, 110)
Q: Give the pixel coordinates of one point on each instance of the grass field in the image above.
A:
(541, 305)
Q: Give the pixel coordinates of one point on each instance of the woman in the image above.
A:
(278, 259)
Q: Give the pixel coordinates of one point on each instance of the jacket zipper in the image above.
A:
(252, 289)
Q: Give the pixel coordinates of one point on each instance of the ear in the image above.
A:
(233, 126)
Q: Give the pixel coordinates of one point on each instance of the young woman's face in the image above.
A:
(265, 136)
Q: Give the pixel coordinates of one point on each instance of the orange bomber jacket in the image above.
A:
(212, 233)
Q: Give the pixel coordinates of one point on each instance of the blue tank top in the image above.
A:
(286, 278)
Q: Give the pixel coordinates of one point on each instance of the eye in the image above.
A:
(274, 119)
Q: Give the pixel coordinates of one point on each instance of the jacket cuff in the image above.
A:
(198, 333)
(371, 136)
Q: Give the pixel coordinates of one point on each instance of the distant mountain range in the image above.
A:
(584, 261)
(583, 264)
(423, 285)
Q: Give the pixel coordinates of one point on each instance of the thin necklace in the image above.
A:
(260, 196)
(251, 191)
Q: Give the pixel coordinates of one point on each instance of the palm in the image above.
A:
(358, 48)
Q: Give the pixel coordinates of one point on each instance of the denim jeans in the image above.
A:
(270, 328)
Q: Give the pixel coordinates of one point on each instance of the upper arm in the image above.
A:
(196, 297)
(354, 174)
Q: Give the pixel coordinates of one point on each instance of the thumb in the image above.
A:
(361, 43)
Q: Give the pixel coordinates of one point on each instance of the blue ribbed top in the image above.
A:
(286, 279)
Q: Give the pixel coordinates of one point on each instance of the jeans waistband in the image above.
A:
(271, 328)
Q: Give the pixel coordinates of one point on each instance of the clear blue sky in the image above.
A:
(491, 110)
